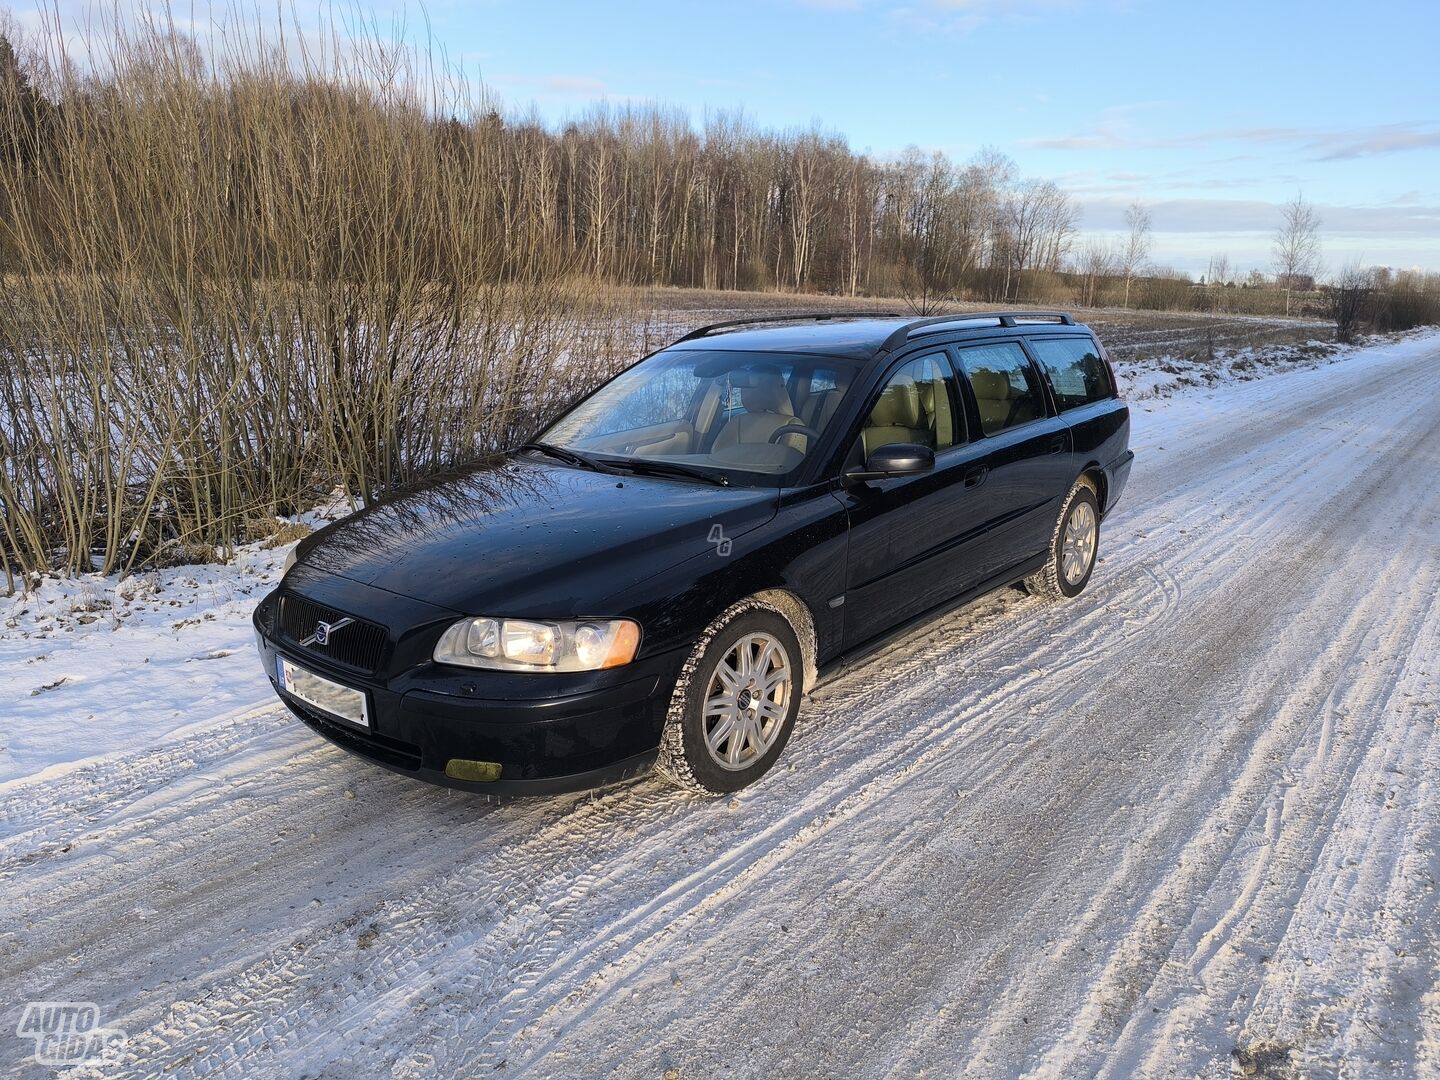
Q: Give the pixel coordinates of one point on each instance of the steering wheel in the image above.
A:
(793, 429)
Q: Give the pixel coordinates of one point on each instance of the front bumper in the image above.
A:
(547, 733)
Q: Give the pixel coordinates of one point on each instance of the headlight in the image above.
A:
(521, 645)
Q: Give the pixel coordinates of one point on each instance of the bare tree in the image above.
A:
(1037, 226)
(1297, 246)
(972, 209)
(1219, 271)
(858, 204)
(1096, 262)
(1136, 251)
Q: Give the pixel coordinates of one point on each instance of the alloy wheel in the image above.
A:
(746, 701)
(1078, 548)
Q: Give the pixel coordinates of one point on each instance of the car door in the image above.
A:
(1083, 389)
(1026, 452)
(909, 536)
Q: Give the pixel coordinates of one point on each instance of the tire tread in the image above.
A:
(1045, 582)
(672, 763)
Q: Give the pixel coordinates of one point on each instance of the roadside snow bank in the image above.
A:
(92, 665)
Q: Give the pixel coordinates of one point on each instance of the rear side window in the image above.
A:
(1076, 371)
(1005, 384)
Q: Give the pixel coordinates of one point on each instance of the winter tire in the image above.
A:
(735, 702)
(1073, 546)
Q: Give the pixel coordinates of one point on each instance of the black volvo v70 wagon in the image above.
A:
(661, 575)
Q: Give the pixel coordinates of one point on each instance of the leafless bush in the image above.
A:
(1405, 300)
(235, 285)
(1378, 299)
(1350, 301)
(1165, 290)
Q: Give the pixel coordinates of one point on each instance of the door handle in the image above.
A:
(1057, 444)
(975, 476)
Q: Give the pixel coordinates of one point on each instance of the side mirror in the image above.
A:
(894, 459)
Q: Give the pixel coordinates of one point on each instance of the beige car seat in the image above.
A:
(767, 410)
(939, 417)
(896, 418)
(1001, 405)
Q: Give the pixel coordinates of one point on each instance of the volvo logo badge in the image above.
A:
(323, 630)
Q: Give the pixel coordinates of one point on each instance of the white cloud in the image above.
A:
(1317, 144)
(1188, 231)
(1383, 139)
(1259, 215)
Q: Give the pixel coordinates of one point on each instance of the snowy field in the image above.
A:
(1186, 825)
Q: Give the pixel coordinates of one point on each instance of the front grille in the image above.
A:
(359, 645)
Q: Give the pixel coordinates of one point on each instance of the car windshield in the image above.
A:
(742, 417)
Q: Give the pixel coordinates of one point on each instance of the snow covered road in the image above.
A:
(1186, 823)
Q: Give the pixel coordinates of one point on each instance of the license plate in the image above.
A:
(345, 702)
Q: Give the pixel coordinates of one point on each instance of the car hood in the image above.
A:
(524, 537)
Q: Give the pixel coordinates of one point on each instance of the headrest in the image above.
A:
(766, 393)
(899, 406)
(991, 385)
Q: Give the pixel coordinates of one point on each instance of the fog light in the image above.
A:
(481, 772)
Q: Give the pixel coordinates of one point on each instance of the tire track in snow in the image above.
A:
(48, 809)
(1398, 581)
(1330, 838)
(1174, 941)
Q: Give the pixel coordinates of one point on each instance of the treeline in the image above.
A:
(633, 194)
(638, 195)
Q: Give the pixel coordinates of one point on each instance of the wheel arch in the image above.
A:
(1096, 475)
(797, 613)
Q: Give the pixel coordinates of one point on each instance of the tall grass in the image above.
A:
(237, 283)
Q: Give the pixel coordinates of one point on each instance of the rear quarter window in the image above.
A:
(1077, 373)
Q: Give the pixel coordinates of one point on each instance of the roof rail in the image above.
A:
(799, 316)
(937, 323)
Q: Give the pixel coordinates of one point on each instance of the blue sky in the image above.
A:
(1212, 114)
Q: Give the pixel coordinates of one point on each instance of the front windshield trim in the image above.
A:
(659, 466)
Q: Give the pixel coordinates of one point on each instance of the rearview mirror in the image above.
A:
(894, 459)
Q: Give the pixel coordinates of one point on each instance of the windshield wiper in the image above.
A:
(654, 467)
(570, 457)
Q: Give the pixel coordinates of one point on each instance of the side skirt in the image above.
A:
(860, 653)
